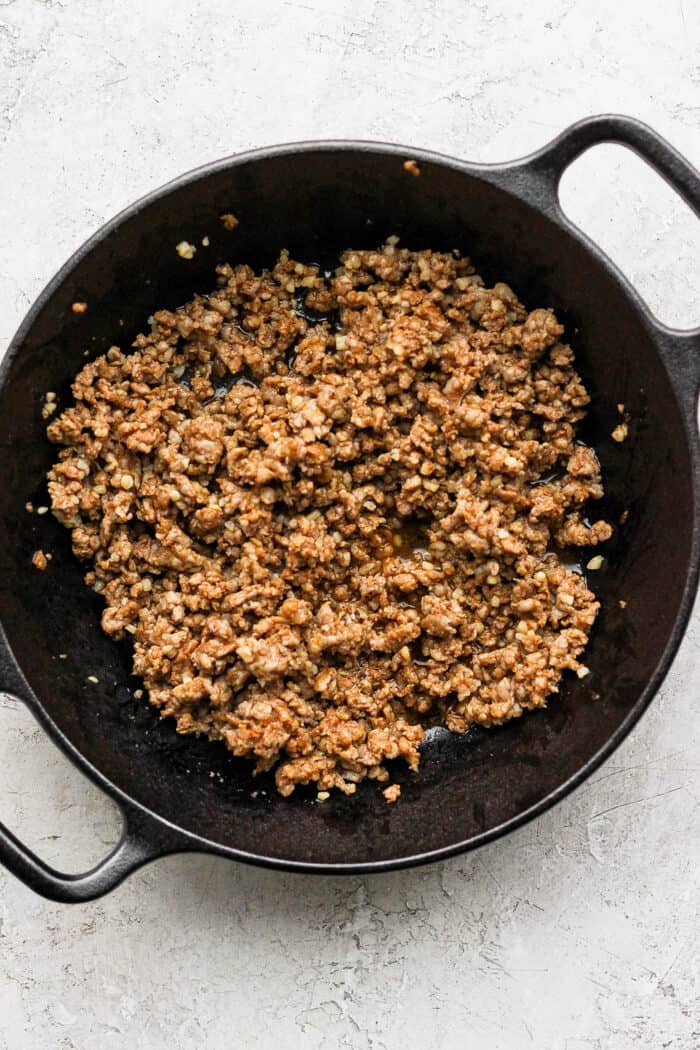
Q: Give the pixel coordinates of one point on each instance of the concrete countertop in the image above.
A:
(579, 931)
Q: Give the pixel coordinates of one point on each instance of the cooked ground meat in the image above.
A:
(328, 509)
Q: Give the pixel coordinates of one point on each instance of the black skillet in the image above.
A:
(179, 794)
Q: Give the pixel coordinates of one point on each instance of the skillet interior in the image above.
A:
(315, 203)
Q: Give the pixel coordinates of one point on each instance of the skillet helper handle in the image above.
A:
(142, 839)
(128, 855)
(550, 163)
(554, 158)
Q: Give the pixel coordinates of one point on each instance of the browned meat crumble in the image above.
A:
(327, 508)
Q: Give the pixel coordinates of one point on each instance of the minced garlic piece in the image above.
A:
(185, 250)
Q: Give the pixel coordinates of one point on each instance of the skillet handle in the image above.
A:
(143, 838)
(130, 853)
(554, 158)
(681, 348)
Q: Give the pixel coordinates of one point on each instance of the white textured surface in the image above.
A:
(580, 931)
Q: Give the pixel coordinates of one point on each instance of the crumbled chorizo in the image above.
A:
(327, 509)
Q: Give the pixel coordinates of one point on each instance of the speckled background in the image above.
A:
(580, 931)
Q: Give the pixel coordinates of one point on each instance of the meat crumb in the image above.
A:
(39, 560)
(329, 510)
(229, 221)
(413, 169)
(392, 793)
(79, 307)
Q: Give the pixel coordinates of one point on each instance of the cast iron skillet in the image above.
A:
(179, 794)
